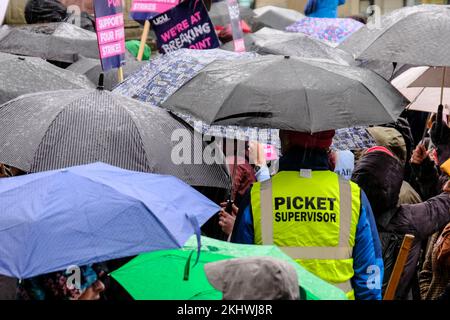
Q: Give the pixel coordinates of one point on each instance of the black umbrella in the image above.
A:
(288, 93)
(59, 129)
(22, 75)
(92, 69)
(62, 42)
(275, 17)
(417, 35)
(220, 16)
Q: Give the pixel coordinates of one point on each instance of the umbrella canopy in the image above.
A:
(22, 75)
(422, 86)
(59, 41)
(275, 17)
(92, 69)
(161, 77)
(88, 214)
(296, 44)
(415, 35)
(150, 275)
(333, 30)
(220, 16)
(59, 129)
(288, 93)
(352, 139)
(388, 70)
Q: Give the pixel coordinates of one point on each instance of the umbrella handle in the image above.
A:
(187, 267)
(443, 84)
(229, 207)
(194, 222)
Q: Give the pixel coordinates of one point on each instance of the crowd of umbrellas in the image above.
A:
(98, 153)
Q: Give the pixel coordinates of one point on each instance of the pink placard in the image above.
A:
(112, 35)
(112, 49)
(109, 22)
(270, 152)
(239, 45)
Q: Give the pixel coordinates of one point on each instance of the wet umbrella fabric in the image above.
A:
(415, 35)
(352, 139)
(288, 93)
(275, 17)
(63, 42)
(87, 214)
(422, 86)
(92, 69)
(334, 30)
(150, 275)
(161, 77)
(22, 75)
(53, 130)
(269, 41)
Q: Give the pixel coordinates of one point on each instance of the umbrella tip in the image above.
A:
(100, 85)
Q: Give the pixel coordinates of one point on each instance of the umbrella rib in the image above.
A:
(306, 98)
(385, 109)
(383, 33)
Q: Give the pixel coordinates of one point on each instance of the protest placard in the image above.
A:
(236, 28)
(142, 10)
(187, 25)
(110, 33)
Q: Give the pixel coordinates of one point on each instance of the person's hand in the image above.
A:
(256, 154)
(419, 154)
(234, 208)
(226, 220)
(93, 292)
(446, 187)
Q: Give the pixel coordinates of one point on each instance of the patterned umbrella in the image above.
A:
(155, 82)
(352, 139)
(334, 30)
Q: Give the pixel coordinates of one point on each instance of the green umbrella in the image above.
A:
(159, 275)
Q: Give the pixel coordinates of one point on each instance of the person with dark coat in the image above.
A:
(426, 173)
(380, 175)
(48, 11)
(45, 11)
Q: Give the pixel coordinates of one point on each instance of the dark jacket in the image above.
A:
(381, 176)
(43, 11)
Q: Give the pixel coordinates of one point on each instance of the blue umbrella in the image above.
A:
(93, 213)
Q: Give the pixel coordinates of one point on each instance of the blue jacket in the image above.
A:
(323, 8)
(367, 254)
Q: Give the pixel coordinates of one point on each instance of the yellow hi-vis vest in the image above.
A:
(312, 219)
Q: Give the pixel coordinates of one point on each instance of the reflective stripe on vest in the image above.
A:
(348, 218)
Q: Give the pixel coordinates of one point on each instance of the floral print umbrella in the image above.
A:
(334, 30)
